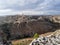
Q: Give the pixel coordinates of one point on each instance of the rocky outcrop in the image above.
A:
(53, 39)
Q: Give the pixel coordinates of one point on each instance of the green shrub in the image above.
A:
(36, 35)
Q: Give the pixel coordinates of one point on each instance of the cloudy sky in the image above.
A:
(10, 7)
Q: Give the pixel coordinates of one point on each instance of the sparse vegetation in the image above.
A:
(36, 35)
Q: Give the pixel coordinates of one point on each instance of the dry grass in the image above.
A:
(26, 41)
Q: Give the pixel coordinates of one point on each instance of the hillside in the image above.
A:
(26, 26)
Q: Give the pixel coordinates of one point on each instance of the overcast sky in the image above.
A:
(8, 7)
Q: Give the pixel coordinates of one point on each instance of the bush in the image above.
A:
(36, 35)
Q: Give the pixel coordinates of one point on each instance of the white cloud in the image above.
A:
(5, 10)
(29, 6)
(49, 5)
(8, 12)
(44, 5)
(25, 12)
(8, 3)
(33, 12)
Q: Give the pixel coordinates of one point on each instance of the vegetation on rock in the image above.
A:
(36, 35)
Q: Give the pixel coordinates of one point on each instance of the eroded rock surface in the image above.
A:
(53, 39)
(27, 26)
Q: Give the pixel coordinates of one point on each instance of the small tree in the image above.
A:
(36, 35)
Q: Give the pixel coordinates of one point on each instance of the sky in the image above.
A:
(11, 7)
